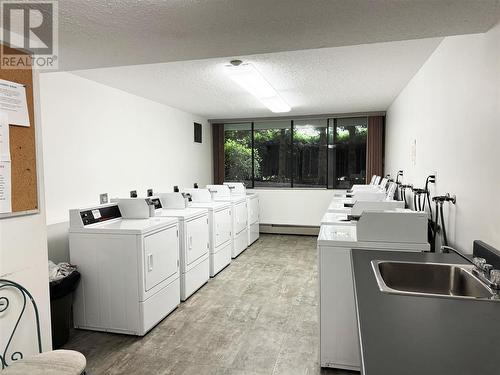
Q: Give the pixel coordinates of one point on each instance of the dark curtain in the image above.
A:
(218, 152)
(375, 147)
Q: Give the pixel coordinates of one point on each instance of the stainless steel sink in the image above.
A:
(430, 279)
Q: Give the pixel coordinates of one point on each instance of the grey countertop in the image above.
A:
(414, 335)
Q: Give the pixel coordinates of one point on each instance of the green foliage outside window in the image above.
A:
(238, 161)
(344, 133)
(308, 162)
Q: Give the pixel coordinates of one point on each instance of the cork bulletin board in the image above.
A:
(24, 190)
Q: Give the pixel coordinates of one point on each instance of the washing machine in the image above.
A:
(344, 212)
(345, 204)
(388, 230)
(363, 195)
(239, 213)
(129, 267)
(376, 183)
(335, 218)
(220, 226)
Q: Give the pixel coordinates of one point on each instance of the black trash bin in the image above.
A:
(61, 300)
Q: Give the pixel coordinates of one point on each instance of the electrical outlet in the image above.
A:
(413, 152)
(133, 193)
(103, 198)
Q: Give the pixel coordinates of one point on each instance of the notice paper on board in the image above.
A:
(13, 102)
(5, 188)
(4, 137)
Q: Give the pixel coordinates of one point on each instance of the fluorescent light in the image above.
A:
(252, 81)
(275, 104)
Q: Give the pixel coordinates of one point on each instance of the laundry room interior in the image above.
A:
(249, 187)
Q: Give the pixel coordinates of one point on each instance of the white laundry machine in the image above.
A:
(253, 225)
(363, 195)
(376, 183)
(253, 230)
(335, 218)
(220, 222)
(344, 205)
(129, 268)
(341, 211)
(194, 240)
(352, 218)
(222, 193)
(389, 230)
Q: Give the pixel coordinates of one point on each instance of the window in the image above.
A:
(347, 152)
(313, 153)
(310, 161)
(238, 153)
(272, 154)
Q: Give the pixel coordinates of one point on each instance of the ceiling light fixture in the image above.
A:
(252, 81)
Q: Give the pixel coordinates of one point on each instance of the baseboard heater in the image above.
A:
(303, 230)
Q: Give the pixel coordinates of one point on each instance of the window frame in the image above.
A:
(331, 122)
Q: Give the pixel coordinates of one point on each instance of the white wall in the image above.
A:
(452, 109)
(98, 139)
(23, 259)
(302, 207)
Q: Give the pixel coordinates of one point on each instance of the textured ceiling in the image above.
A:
(327, 80)
(126, 32)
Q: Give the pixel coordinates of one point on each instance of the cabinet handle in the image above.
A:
(190, 242)
(150, 262)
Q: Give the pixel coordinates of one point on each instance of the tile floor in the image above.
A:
(258, 316)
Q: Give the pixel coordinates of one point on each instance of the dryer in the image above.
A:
(220, 227)
(193, 236)
(253, 225)
(222, 193)
(253, 230)
(129, 267)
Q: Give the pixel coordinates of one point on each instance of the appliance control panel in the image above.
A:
(155, 202)
(100, 214)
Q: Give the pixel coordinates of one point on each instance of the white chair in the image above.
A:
(56, 362)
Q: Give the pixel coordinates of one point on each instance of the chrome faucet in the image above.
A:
(447, 249)
(484, 271)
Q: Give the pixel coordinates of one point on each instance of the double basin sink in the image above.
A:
(431, 280)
